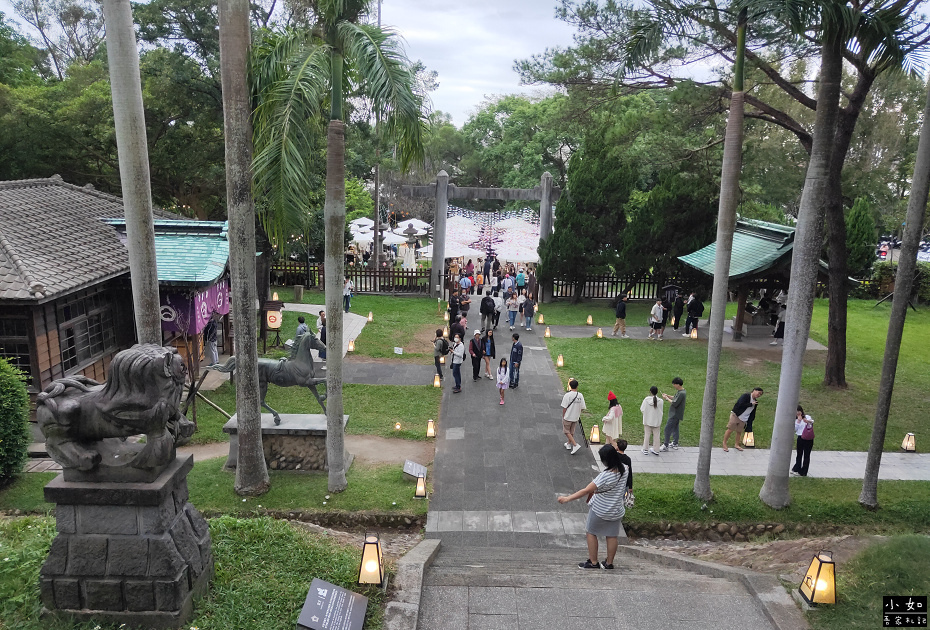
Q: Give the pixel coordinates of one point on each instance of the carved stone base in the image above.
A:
(297, 444)
(133, 553)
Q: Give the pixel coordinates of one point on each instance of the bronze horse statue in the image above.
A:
(298, 369)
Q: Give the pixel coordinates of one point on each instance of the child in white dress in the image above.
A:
(503, 378)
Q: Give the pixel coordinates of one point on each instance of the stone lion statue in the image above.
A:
(142, 395)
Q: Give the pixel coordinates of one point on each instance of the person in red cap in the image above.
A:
(613, 422)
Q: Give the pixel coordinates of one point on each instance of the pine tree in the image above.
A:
(860, 236)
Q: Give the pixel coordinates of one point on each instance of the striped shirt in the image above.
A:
(607, 502)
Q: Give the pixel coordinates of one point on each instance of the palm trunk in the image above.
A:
(804, 266)
(904, 283)
(334, 212)
(135, 180)
(251, 471)
(726, 224)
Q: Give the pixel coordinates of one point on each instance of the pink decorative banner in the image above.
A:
(183, 311)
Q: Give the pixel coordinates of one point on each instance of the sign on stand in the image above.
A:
(331, 607)
(414, 469)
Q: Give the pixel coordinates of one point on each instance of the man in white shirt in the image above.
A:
(572, 406)
(347, 290)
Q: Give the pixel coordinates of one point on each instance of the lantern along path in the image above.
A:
(754, 462)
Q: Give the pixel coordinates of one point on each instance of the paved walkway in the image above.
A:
(754, 462)
(500, 468)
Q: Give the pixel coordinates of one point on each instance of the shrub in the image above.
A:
(884, 272)
(14, 414)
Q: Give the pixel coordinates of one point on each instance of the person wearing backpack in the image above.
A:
(487, 312)
(695, 309)
(440, 349)
(498, 307)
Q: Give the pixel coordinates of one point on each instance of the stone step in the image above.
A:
(37, 449)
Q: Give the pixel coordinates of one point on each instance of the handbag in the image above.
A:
(808, 432)
(629, 499)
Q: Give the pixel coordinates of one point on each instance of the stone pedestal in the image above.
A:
(133, 553)
(298, 443)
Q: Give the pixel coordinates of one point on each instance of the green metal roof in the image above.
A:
(188, 253)
(758, 246)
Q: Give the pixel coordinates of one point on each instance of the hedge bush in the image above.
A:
(884, 271)
(14, 416)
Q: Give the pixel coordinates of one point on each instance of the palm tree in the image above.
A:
(235, 37)
(296, 76)
(876, 28)
(904, 282)
(648, 31)
(129, 119)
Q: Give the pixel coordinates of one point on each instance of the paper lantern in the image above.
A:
(397, 426)
(420, 492)
(351, 345)
(437, 382)
(590, 321)
(568, 385)
(445, 332)
(560, 362)
(819, 584)
(442, 360)
(371, 316)
(748, 440)
(908, 444)
(430, 428)
(371, 568)
(595, 435)
(536, 307)
(445, 316)
(547, 334)
(273, 319)
(694, 333)
(541, 320)
(600, 333)
(274, 296)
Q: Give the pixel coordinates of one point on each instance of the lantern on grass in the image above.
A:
(541, 320)
(442, 360)
(351, 345)
(568, 385)
(371, 568)
(590, 321)
(908, 444)
(819, 584)
(536, 307)
(600, 333)
(560, 362)
(274, 296)
(430, 428)
(445, 332)
(437, 382)
(595, 434)
(420, 492)
(397, 426)
(748, 440)
(371, 316)
(445, 316)
(694, 333)
(547, 334)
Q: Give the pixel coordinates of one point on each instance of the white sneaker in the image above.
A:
(645, 452)
(529, 330)
(613, 334)
(674, 446)
(624, 336)
(576, 448)
(774, 343)
(653, 452)
(511, 328)
(686, 335)
(568, 446)
(663, 448)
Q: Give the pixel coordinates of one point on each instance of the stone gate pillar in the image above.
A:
(439, 234)
(545, 207)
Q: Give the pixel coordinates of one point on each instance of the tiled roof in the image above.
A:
(52, 240)
(190, 253)
(757, 247)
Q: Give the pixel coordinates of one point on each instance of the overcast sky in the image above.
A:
(472, 44)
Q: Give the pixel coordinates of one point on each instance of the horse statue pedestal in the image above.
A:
(133, 553)
(297, 443)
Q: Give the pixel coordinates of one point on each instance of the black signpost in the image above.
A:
(331, 607)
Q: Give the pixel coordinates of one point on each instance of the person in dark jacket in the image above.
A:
(744, 412)
(695, 310)
(476, 351)
(620, 312)
(457, 328)
(516, 358)
(487, 311)
(678, 311)
(454, 305)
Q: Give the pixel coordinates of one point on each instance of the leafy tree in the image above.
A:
(20, 61)
(14, 418)
(70, 31)
(590, 215)
(860, 232)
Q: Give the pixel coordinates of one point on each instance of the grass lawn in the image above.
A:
(564, 313)
(899, 566)
(372, 409)
(905, 504)
(374, 489)
(844, 417)
(404, 322)
(263, 571)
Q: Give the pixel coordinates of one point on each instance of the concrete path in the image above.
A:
(514, 590)
(754, 462)
(500, 468)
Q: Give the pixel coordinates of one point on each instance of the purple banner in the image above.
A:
(182, 311)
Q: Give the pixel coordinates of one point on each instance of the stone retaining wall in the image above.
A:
(295, 452)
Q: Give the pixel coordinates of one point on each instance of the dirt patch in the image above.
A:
(394, 543)
(373, 449)
(788, 559)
